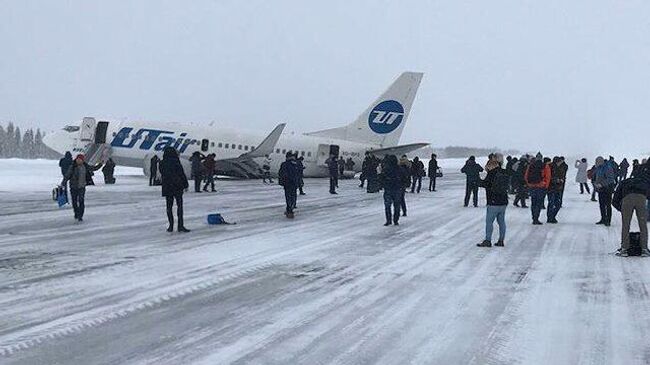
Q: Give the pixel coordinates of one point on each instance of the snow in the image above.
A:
(332, 286)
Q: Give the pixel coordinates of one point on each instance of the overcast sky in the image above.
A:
(565, 76)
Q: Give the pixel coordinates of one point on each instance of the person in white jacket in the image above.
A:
(581, 175)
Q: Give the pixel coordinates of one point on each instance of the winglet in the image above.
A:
(268, 144)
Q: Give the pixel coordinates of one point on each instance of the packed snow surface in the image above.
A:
(332, 286)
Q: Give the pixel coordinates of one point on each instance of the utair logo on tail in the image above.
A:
(386, 116)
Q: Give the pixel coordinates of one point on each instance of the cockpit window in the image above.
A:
(71, 128)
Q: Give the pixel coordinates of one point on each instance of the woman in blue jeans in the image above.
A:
(496, 185)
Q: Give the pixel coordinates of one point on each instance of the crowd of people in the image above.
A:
(544, 180)
(538, 178)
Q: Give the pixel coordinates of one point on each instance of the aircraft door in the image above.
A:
(324, 152)
(100, 132)
(87, 131)
(205, 144)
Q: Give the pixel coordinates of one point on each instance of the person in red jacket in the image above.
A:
(538, 178)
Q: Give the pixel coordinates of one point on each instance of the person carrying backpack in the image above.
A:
(538, 178)
(496, 184)
(417, 171)
(405, 165)
(631, 197)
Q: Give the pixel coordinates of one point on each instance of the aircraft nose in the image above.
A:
(57, 141)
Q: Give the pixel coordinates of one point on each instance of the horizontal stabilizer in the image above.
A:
(397, 150)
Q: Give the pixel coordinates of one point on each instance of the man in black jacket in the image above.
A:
(288, 178)
(174, 182)
(472, 172)
(197, 170)
(153, 169)
(496, 184)
(393, 181)
(558, 178)
(333, 169)
(417, 171)
(433, 170)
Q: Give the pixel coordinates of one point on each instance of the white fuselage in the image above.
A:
(134, 143)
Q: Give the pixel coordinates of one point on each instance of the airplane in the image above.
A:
(239, 154)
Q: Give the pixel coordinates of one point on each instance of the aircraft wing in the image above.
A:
(244, 165)
(397, 150)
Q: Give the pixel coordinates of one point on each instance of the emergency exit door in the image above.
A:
(100, 132)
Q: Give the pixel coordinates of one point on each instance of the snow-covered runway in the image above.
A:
(332, 286)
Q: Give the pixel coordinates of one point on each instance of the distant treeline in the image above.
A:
(462, 152)
(17, 144)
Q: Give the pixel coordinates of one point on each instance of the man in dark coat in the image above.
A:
(622, 169)
(555, 188)
(301, 172)
(393, 181)
(108, 170)
(288, 178)
(405, 166)
(65, 163)
(333, 169)
(417, 171)
(153, 169)
(197, 170)
(174, 182)
(472, 171)
(433, 170)
(79, 175)
(209, 166)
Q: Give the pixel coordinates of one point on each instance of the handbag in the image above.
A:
(439, 172)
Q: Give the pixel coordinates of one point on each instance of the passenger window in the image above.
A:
(220, 144)
(245, 148)
(308, 154)
(277, 150)
(227, 145)
(239, 147)
(284, 151)
(234, 146)
(302, 153)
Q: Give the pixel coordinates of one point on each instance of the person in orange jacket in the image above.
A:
(538, 178)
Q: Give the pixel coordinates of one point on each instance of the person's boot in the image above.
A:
(537, 223)
(183, 229)
(396, 222)
(485, 243)
(499, 243)
(170, 228)
(600, 222)
(388, 223)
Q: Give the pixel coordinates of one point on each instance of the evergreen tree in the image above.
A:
(39, 149)
(3, 138)
(28, 144)
(9, 145)
(18, 143)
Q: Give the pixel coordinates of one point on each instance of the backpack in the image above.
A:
(500, 183)
(617, 199)
(535, 171)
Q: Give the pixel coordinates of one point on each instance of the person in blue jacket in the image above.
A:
(604, 183)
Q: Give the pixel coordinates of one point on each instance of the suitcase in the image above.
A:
(635, 244)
